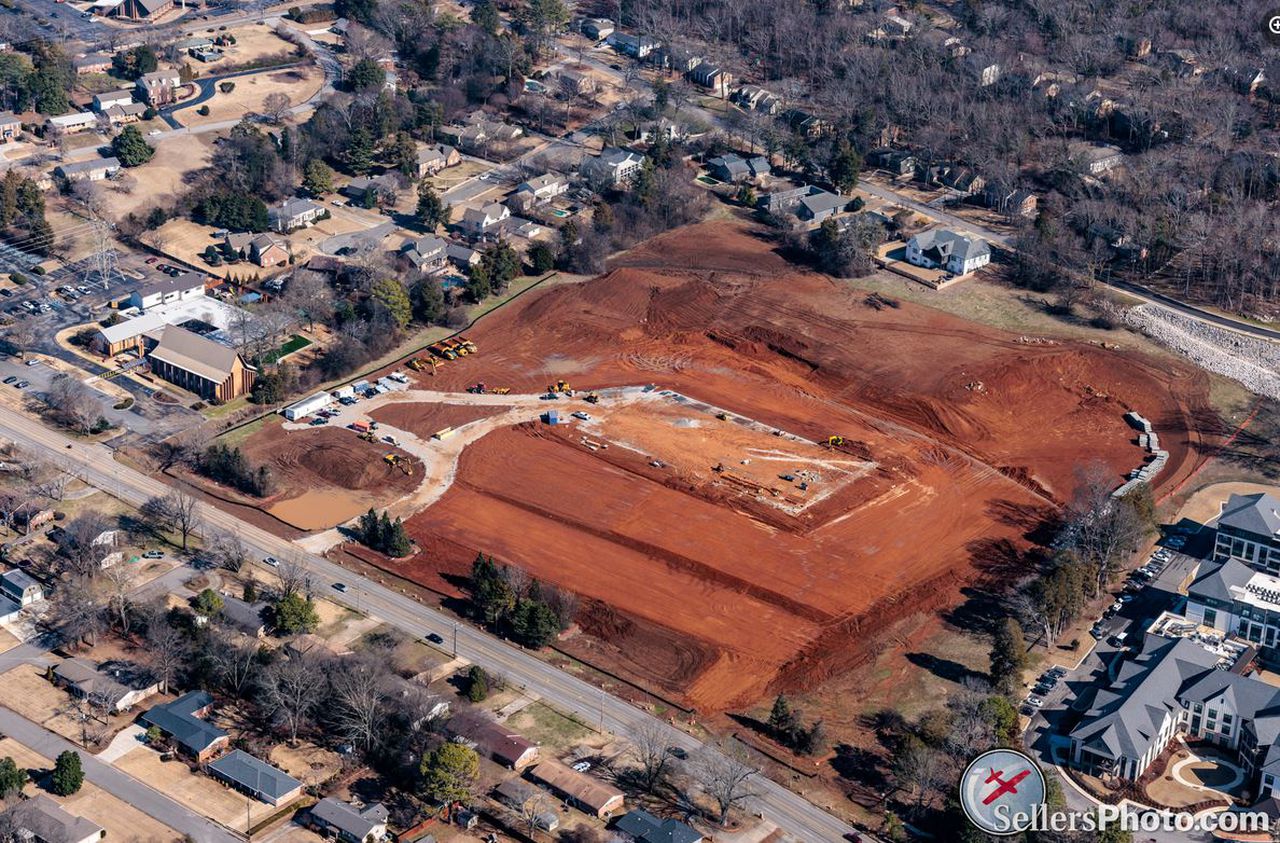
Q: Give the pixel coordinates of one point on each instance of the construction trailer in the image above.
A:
(308, 406)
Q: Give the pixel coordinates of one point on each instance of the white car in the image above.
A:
(1035, 701)
(154, 132)
(582, 766)
(581, 415)
(272, 561)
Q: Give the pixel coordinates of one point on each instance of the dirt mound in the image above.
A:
(328, 457)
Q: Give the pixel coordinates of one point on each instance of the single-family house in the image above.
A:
(119, 115)
(635, 46)
(983, 69)
(350, 823)
(463, 257)
(538, 190)
(41, 820)
(597, 29)
(70, 124)
(167, 289)
(1244, 78)
(900, 162)
(576, 82)
(1095, 159)
(675, 58)
(1181, 63)
(432, 158)
(587, 794)
(640, 826)
(963, 179)
(613, 167)
(939, 248)
(805, 124)
(729, 168)
(159, 87)
(101, 102)
(10, 126)
(240, 770)
(820, 205)
(118, 688)
(755, 98)
(94, 169)
(427, 253)
(209, 369)
(497, 741)
(262, 249)
(92, 63)
(712, 76)
(294, 213)
(476, 221)
(244, 616)
(1015, 202)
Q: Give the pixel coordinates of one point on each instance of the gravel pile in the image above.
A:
(1251, 361)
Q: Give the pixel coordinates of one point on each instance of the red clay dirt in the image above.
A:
(974, 435)
(422, 420)
(327, 475)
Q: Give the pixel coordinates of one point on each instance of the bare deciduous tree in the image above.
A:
(235, 661)
(359, 699)
(651, 748)
(167, 648)
(291, 689)
(177, 511)
(76, 612)
(724, 775)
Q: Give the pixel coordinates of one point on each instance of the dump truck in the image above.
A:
(456, 347)
(360, 426)
(468, 345)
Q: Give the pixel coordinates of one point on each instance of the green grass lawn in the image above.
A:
(294, 343)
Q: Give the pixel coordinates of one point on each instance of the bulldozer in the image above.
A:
(416, 364)
(592, 398)
(722, 415)
(835, 441)
(368, 436)
(560, 386)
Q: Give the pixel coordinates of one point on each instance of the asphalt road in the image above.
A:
(95, 463)
(119, 784)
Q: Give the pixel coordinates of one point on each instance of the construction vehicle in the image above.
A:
(478, 388)
(399, 462)
(835, 441)
(722, 415)
(416, 364)
(368, 436)
(457, 347)
(439, 350)
(592, 398)
(560, 386)
(468, 345)
(501, 390)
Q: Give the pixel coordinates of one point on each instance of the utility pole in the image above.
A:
(455, 639)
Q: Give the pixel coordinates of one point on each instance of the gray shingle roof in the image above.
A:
(257, 777)
(948, 243)
(1215, 580)
(646, 828)
(1258, 514)
(49, 822)
(1125, 718)
(356, 822)
(177, 720)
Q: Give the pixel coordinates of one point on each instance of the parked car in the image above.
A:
(150, 261)
(23, 385)
(1035, 701)
(33, 362)
(10, 379)
(582, 766)
(272, 561)
(6, 292)
(153, 554)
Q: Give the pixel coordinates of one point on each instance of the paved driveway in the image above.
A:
(119, 784)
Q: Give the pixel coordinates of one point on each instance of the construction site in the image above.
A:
(750, 477)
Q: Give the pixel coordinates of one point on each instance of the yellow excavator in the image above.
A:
(399, 462)
(835, 441)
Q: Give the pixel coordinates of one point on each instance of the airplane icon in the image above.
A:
(1010, 786)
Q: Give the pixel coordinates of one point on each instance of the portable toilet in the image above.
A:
(552, 417)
